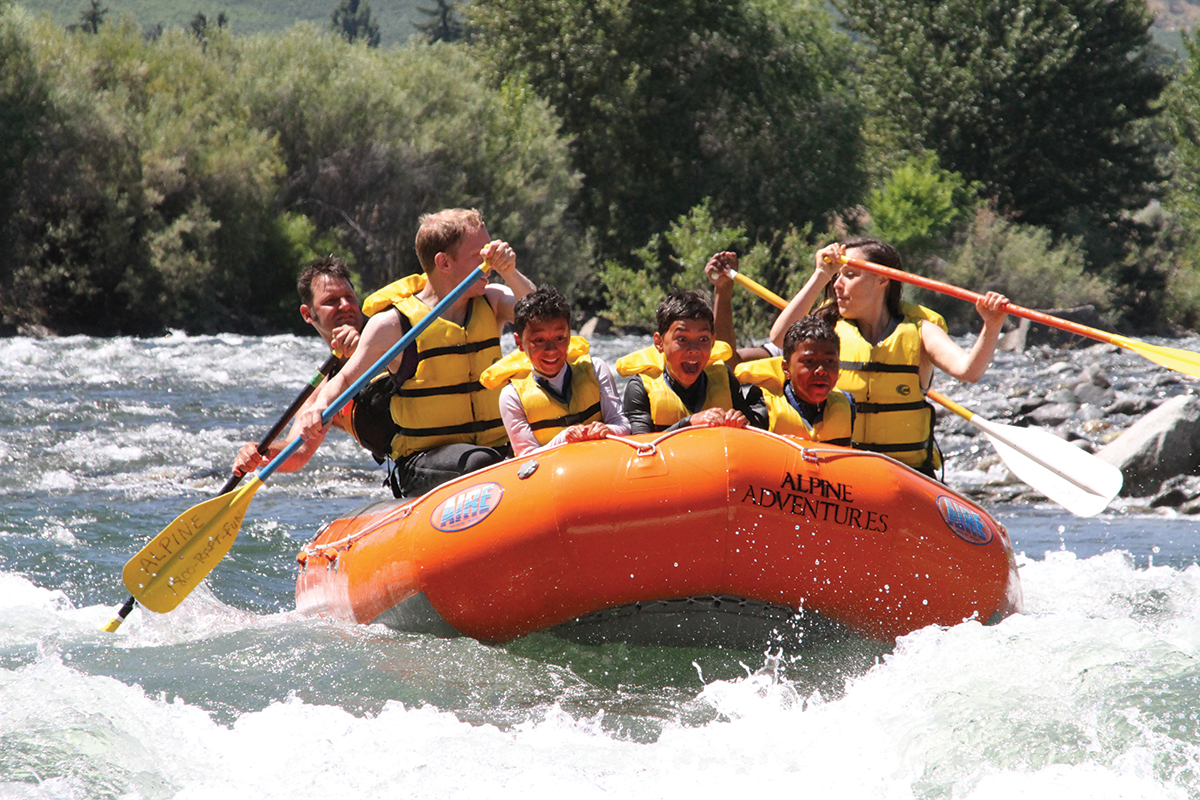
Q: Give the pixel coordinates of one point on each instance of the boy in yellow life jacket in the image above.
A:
(682, 378)
(799, 388)
(554, 392)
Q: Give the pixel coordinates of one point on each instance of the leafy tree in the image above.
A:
(91, 18)
(371, 139)
(442, 22)
(176, 182)
(1182, 119)
(1022, 262)
(634, 294)
(352, 21)
(918, 203)
(199, 25)
(671, 102)
(1044, 102)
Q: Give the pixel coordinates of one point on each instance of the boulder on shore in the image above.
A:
(1161, 445)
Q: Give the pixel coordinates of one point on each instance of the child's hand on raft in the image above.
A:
(587, 433)
(718, 417)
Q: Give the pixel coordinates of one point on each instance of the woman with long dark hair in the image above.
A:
(889, 348)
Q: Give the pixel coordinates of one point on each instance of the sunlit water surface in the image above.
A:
(1092, 692)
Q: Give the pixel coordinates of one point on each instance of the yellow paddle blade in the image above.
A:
(1185, 361)
(176, 560)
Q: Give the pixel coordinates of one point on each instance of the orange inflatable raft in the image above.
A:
(704, 536)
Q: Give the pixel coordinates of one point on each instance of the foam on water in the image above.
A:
(1072, 699)
(1090, 693)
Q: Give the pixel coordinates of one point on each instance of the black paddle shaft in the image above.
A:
(322, 372)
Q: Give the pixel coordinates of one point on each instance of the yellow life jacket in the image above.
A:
(893, 415)
(444, 401)
(649, 360)
(546, 415)
(666, 408)
(834, 427)
(767, 374)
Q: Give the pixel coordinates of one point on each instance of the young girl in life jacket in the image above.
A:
(889, 348)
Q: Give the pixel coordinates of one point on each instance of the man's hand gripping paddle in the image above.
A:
(167, 569)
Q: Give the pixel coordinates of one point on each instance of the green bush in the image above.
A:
(164, 182)
(1023, 263)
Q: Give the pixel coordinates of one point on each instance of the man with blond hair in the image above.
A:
(429, 414)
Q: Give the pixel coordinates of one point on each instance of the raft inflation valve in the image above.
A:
(527, 470)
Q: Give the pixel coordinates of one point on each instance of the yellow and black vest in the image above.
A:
(444, 401)
(893, 416)
(546, 414)
(665, 406)
(767, 374)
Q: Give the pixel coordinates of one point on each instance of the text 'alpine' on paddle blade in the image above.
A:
(182, 555)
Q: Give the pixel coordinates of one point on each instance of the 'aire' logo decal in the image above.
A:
(967, 523)
(469, 507)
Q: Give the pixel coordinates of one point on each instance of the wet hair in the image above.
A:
(330, 266)
(812, 328)
(876, 251)
(442, 231)
(682, 305)
(541, 305)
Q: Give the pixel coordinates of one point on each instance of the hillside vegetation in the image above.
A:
(395, 17)
(1042, 148)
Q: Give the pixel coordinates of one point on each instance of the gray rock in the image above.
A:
(1129, 403)
(1053, 414)
(1177, 492)
(1091, 393)
(1063, 395)
(1161, 445)
(594, 326)
(1095, 376)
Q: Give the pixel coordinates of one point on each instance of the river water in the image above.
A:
(1093, 692)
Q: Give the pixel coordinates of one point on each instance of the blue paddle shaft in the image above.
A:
(379, 366)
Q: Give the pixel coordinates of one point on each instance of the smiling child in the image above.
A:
(799, 387)
(681, 379)
(555, 392)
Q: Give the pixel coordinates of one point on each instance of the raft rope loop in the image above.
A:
(330, 549)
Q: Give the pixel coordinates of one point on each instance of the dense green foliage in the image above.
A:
(396, 18)
(353, 22)
(182, 183)
(1183, 199)
(1041, 101)
(180, 177)
(671, 102)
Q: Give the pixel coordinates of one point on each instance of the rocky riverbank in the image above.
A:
(1143, 418)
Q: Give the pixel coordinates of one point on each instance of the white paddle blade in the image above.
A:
(1071, 477)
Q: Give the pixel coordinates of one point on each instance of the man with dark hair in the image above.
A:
(329, 304)
(431, 416)
(553, 391)
(682, 378)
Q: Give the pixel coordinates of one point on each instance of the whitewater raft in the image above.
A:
(700, 537)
